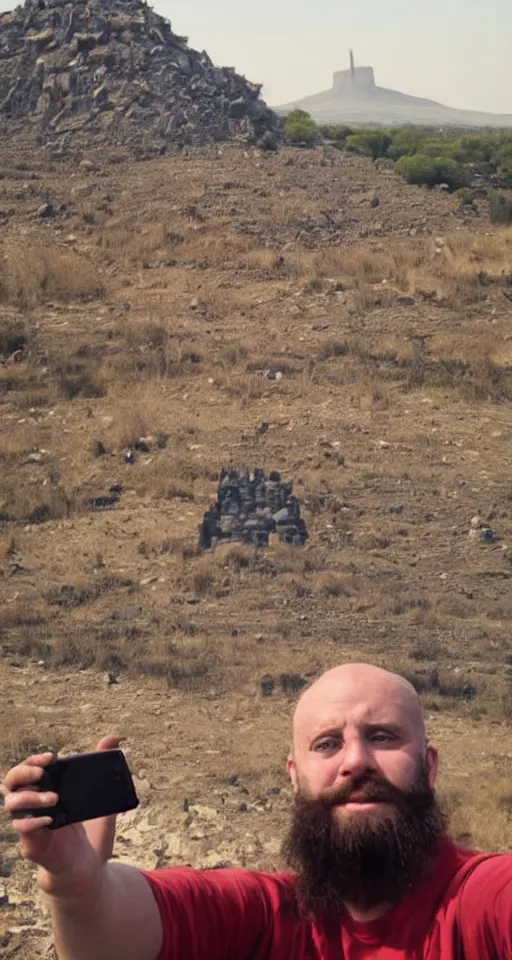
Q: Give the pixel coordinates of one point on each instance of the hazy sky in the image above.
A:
(456, 51)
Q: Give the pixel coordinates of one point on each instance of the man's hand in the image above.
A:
(99, 910)
(70, 857)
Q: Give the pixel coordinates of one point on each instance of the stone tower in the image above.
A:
(355, 79)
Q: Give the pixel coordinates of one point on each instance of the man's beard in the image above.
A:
(367, 858)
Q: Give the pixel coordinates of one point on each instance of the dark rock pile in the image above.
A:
(115, 71)
(249, 507)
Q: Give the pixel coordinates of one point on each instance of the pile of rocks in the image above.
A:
(115, 71)
(250, 507)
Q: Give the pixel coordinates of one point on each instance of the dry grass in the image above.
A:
(34, 274)
(471, 823)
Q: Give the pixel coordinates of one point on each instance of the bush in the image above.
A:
(501, 207)
(504, 160)
(477, 148)
(421, 169)
(299, 127)
(452, 173)
(405, 142)
(371, 143)
(466, 197)
(336, 132)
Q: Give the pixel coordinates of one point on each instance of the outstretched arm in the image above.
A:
(99, 910)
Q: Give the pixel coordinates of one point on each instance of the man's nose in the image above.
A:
(356, 759)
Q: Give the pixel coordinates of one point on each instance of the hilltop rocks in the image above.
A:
(114, 72)
(251, 506)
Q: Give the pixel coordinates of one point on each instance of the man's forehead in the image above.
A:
(360, 695)
(333, 711)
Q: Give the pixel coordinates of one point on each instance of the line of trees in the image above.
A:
(421, 155)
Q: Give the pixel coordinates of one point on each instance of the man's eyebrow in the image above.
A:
(326, 732)
(393, 725)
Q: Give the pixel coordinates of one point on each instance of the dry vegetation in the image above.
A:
(159, 304)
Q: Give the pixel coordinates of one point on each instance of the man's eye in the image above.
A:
(325, 746)
(382, 737)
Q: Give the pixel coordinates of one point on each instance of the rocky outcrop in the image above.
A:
(250, 507)
(114, 71)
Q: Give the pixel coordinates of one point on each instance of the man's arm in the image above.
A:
(99, 911)
(485, 910)
(117, 917)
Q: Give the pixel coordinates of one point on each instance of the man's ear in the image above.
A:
(292, 772)
(432, 762)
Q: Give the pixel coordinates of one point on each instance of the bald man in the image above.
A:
(374, 874)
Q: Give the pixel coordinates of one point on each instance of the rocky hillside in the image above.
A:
(113, 71)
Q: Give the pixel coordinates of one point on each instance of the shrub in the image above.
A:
(419, 170)
(338, 133)
(299, 127)
(466, 197)
(371, 143)
(405, 142)
(501, 207)
(504, 161)
(422, 169)
(13, 338)
(452, 173)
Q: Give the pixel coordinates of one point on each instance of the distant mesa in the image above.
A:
(356, 99)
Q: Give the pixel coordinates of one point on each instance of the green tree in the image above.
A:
(299, 127)
(373, 142)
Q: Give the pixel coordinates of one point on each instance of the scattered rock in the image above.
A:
(45, 211)
(269, 141)
(97, 448)
(103, 503)
(488, 535)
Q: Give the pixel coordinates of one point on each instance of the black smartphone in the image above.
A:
(89, 785)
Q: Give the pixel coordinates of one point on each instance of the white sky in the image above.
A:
(456, 51)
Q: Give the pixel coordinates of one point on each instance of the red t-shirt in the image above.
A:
(462, 912)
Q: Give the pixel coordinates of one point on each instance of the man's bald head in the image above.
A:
(362, 716)
(362, 683)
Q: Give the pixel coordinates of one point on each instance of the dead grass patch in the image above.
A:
(36, 503)
(169, 474)
(35, 274)
(471, 823)
(332, 584)
(150, 348)
(21, 613)
(7, 547)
